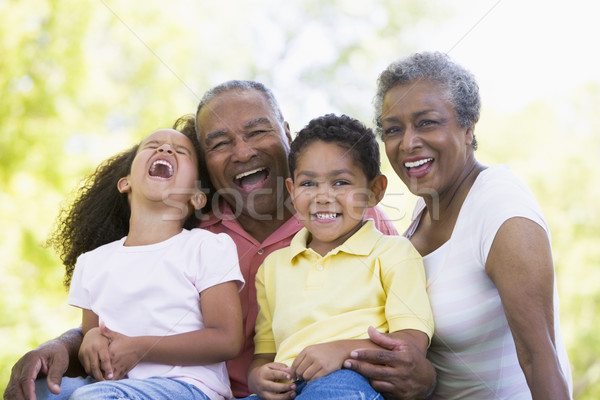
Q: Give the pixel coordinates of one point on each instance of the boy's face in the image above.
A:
(330, 193)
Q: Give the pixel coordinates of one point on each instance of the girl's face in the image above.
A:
(164, 172)
(423, 140)
(331, 193)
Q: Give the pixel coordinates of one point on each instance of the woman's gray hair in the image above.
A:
(239, 85)
(461, 87)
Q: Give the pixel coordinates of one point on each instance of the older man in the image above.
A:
(244, 142)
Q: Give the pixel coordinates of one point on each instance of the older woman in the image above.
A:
(485, 245)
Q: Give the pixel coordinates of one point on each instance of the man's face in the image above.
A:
(246, 147)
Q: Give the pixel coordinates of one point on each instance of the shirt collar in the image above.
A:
(360, 244)
(224, 214)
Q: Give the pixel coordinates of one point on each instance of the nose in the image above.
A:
(324, 194)
(243, 151)
(410, 140)
(165, 147)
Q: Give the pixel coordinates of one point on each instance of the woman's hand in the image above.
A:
(401, 371)
(94, 355)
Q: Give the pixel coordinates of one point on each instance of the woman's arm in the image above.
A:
(520, 265)
(55, 358)
(220, 340)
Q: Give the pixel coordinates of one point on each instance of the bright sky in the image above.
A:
(522, 50)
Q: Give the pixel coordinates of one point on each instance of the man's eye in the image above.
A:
(219, 145)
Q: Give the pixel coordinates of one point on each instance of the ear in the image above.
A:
(377, 187)
(123, 185)
(198, 200)
(289, 184)
(470, 136)
(288, 134)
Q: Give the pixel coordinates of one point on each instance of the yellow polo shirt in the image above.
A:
(306, 299)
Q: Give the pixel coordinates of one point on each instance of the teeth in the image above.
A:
(163, 162)
(243, 174)
(326, 215)
(414, 164)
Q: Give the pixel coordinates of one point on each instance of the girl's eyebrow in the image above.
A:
(175, 146)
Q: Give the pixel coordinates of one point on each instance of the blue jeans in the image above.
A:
(343, 384)
(124, 389)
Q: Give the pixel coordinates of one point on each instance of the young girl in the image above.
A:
(169, 295)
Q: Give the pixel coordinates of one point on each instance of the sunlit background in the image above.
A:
(82, 80)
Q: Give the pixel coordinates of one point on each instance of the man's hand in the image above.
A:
(50, 359)
(400, 372)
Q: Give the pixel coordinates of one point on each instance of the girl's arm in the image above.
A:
(322, 359)
(93, 353)
(520, 265)
(220, 340)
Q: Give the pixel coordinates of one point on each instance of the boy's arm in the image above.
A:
(318, 360)
(220, 340)
(270, 380)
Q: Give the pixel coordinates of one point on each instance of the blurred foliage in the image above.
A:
(81, 81)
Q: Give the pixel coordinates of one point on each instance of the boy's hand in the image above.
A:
(94, 355)
(271, 381)
(318, 360)
(125, 351)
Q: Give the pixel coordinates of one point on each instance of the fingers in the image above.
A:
(54, 379)
(105, 364)
(383, 340)
(107, 333)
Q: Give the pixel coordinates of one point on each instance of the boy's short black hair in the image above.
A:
(344, 131)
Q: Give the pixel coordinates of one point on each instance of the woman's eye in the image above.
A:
(391, 131)
(426, 122)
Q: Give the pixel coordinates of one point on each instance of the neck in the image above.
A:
(149, 227)
(260, 229)
(442, 205)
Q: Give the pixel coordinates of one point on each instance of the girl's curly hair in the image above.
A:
(96, 213)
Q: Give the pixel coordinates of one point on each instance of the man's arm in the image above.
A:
(54, 359)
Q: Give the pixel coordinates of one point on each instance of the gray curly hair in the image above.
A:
(239, 85)
(461, 87)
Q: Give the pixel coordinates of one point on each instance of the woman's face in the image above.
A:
(426, 147)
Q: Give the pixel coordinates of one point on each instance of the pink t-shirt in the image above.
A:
(251, 255)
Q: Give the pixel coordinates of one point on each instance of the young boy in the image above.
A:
(338, 277)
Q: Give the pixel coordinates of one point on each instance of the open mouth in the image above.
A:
(161, 169)
(326, 216)
(251, 178)
(417, 164)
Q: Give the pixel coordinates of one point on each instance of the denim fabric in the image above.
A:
(67, 387)
(155, 388)
(339, 385)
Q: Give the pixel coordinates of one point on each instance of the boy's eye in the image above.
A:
(341, 183)
(306, 183)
